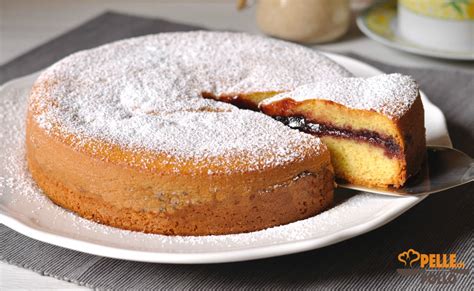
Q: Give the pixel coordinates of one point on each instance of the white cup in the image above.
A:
(438, 24)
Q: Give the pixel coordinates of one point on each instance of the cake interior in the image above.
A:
(366, 148)
(358, 156)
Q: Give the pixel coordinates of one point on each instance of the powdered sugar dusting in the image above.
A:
(391, 95)
(145, 93)
(24, 202)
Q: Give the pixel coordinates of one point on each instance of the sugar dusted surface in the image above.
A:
(145, 93)
(18, 191)
(391, 95)
(23, 201)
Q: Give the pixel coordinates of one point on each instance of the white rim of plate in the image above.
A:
(234, 255)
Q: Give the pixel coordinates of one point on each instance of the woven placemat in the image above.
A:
(441, 224)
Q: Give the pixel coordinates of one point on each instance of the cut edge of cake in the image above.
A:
(373, 127)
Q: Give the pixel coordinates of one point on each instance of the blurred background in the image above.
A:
(25, 24)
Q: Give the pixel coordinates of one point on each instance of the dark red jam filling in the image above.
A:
(236, 100)
(392, 149)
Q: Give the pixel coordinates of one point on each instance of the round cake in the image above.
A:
(125, 134)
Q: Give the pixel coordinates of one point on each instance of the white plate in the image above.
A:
(386, 32)
(24, 208)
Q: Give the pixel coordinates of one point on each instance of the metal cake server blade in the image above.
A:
(443, 169)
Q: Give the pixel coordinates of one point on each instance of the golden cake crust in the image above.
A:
(121, 134)
(125, 134)
(175, 204)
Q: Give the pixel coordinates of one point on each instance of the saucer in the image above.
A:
(379, 22)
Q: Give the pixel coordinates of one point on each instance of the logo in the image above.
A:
(432, 268)
(409, 257)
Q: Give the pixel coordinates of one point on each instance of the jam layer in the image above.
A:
(236, 100)
(390, 146)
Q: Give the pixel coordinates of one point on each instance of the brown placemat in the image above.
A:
(441, 224)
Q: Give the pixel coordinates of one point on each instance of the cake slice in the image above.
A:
(374, 127)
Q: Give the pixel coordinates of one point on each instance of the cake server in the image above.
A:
(444, 168)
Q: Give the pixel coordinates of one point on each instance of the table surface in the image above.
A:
(25, 24)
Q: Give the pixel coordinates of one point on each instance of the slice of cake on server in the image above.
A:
(374, 127)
